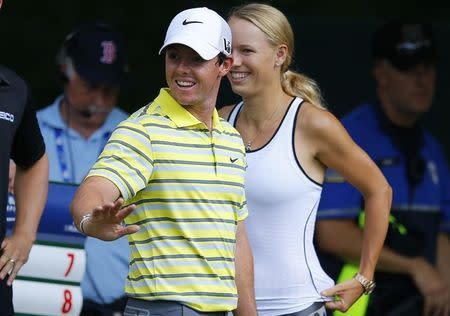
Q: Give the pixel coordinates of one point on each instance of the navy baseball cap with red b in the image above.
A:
(405, 45)
(97, 51)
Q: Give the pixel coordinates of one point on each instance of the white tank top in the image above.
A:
(282, 202)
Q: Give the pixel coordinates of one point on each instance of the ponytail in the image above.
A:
(296, 84)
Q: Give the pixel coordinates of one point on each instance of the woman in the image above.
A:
(290, 140)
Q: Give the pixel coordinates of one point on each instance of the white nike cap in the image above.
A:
(201, 29)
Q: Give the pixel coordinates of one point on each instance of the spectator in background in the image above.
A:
(413, 272)
(92, 69)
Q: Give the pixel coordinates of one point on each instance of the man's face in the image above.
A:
(84, 97)
(408, 93)
(191, 79)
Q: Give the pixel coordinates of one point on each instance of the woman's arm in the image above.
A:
(329, 144)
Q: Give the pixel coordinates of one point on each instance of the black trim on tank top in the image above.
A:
(293, 147)
(232, 111)
(276, 131)
(304, 248)
(238, 112)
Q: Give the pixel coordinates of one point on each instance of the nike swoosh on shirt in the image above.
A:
(186, 22)
(233, 160)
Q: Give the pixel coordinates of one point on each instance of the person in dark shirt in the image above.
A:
(22, 142)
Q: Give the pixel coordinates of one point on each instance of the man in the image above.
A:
(413, 276)
(92, 68)
(179, 170)
(23, 143)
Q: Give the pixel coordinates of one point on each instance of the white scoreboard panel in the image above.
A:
(49, 283)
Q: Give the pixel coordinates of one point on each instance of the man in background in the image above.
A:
(413, 275)
(76, 126)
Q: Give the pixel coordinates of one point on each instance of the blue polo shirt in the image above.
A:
(423, 209)
(70, 158)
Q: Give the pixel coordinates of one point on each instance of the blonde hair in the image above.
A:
(274, 24)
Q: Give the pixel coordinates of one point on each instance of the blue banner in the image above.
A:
(56, 224)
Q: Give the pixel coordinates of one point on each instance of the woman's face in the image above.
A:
(254, 59)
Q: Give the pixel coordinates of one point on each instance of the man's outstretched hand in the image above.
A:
(106, 222)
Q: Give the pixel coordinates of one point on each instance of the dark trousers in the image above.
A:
(137, 307)
(91, 308)
(6, 304)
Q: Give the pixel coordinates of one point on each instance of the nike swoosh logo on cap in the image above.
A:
(186, 22)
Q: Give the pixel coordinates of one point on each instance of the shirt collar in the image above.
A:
(3, 80)
(178, 113)
(52, 115)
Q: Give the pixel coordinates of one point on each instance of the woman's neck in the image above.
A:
(259, 108)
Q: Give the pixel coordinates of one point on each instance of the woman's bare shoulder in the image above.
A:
(312, 119)
(224, 111)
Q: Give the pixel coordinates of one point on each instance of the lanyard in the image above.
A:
(60, 152)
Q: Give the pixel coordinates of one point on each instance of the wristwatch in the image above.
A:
(367, 284)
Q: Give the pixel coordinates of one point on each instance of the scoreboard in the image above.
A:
(49, 283)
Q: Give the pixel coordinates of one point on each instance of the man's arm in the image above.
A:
(31, 186)
(443, 256)
(99, 199)
(244, 274)
(12, 175)
(443, 260)
(343, 238)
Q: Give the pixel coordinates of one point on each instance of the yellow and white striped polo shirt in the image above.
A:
(188, 187)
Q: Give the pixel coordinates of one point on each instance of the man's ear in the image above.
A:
(378, 71)
(62, 72)
(226, 66)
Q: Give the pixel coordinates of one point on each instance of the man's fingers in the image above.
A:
(426, 306)
(7, 268)
(109, 210)
(98, 211)
(128, 230)
(440, 306)
(125, 211)
(132, 229)
(118, 203)
(447, 309)
(15, 269)
(4, 260)
(116, 207)
(103, 211)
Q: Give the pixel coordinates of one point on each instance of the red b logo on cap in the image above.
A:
(109, 52)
